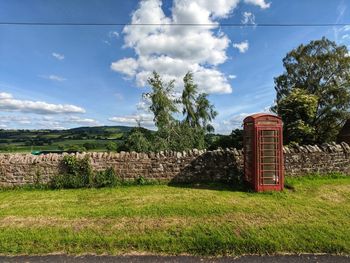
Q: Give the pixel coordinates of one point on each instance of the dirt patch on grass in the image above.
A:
(234, 222)
(334, 193)
(115, 224)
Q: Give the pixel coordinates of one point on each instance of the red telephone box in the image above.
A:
(263, 152)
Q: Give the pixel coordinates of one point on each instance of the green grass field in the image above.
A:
(26, 141)
(314, 217)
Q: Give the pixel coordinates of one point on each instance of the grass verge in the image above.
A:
(311, 218)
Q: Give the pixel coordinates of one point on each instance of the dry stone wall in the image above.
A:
(188, 166)
(325, 158)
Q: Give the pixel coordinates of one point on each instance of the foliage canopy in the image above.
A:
(173, 133)
(313, 94)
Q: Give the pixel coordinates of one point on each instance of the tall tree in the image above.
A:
(172, 133)
(320, 69)
(198, 110)
(163, 105)
(189, 95)
(205, 112)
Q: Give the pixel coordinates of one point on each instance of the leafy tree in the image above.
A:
(173, 134)
(162, 106)
(112, 146)
(205, 112)
(316, 73)
(298, 110)
(6, 148)
(188, 100)
(137, 142)
(60, 147)
(233, 140)
(90, 145)
(198, 110)
(76, 148)
(186, 137)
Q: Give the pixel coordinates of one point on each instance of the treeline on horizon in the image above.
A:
(102, 138)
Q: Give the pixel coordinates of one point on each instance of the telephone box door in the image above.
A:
(269, 159)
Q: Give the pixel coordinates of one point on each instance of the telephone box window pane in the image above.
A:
(269, 173)
(269, 147)
(269, 139)
(269, 133)
(269, 181)
(269, 157)
(269, 167)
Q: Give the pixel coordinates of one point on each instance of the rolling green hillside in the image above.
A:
(102, 138)
(82, 138)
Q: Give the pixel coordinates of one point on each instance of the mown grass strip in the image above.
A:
(312, 218)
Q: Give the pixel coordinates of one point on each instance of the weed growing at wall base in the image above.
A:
(78, 173)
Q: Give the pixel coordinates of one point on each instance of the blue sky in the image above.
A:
(70, 76)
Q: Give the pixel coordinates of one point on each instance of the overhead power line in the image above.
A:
(176, 24)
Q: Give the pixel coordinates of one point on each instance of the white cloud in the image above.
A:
(4, 95)
(248, 18)
(242, 47)
(81, 121)
(261, 3)
(213, 80)
(144, 104)
(341, 33)
(235, 121)
(50, 124)
(143, 119)
(143, 116)
(126, 66)
(346, 36)
(9, 119)
(113, 34)
(227, 125)
(8, 103)
(172, 51)
(58, 56)
(46, 122)
(232, 76)
(53, 78)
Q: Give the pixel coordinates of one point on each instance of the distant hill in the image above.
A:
(100, 138)
(83, 138)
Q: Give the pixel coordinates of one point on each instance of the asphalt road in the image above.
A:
(173, 259)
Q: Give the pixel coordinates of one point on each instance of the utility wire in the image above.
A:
(176, 24)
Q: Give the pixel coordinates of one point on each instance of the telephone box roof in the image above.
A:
(258, 115)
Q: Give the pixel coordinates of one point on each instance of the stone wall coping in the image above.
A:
(323, 148)
(29, 158)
